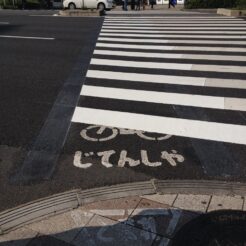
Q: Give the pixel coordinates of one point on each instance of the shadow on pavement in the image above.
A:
(163, 227)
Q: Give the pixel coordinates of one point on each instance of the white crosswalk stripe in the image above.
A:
(166, 41)
(159, 47)
(181, 24)
(167, 79)
(154, 34)
(170, 56)
(162, 65)
(172, 18)
(177, 28)
(194, 62)
(173, 25)
(166, 98)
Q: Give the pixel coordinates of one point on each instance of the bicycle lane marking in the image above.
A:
(175, 157)
(172, 158)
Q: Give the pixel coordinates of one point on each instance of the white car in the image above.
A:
(88, 4)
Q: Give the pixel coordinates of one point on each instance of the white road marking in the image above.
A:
(175, 22)
(154, 34)
(132, 46)
(170, 56)
(165, 41)
(219, 68)
(109, 212)
(170, 30)
(61, 16)
(173, 28)
(4, 23)
(214, 57)
(167, 79)
(179, 26)
(25, 37)
(180, 127)
(154, 65)
(165, 65)
(166, 98)
(51, 15)
(173, 18)
(136, 54)
(159, 47)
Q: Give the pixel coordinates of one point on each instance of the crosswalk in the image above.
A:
(178, 75)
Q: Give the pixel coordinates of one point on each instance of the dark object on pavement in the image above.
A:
(152, 3)
(172, 2)
(225, 227)
(132, 4)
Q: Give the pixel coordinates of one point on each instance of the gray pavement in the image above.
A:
(146, 220)
(169, 86)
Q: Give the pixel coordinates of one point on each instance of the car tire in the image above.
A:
(101, 6)
(72, 6)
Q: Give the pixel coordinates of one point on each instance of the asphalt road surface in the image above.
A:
(41, 57)
(170, 89)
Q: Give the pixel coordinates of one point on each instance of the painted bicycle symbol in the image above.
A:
(102, 133)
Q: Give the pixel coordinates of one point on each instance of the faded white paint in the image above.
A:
(170, 56)
(114, 132)
(25, 37)
(146, 162)
(163, 34)
(163, 27)
(166, 98)
(77, 162)
(165, 41)
(105, 157)
(109, 212)
(164, 24)
(162, 47)
(214, 131)
(174, 18)
(167, 79)
(153, 65)
(84, 133)
(174, 66)
(179, 22)
(124, 159)
(172, 157)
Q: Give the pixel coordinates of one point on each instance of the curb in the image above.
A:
(17, 217)
(81, 13)
(201, 187)
(232, 12)
(209, 11)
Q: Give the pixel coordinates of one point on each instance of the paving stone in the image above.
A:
(162, 241)
(244, 204)
(159, 218)
(165, 199)
(103, 231)
(226, 202)
(65, 226)
(19, 237)
(192, 202)
(47, 240)
(117, 209)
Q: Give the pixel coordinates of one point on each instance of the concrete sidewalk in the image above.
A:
(161, 9)
(136, 220)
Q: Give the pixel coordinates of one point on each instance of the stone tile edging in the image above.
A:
(231, 12)
(34, 211)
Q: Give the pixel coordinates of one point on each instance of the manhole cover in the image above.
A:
(219, 228)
